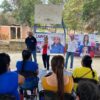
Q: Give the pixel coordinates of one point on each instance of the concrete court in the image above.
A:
(77, 61)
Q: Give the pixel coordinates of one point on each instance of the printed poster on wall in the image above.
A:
(87, 45)
(56, 42)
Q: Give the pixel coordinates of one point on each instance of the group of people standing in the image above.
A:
(85, 48)
(31, 43)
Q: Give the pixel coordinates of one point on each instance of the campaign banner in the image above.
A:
(55, 41)
(87, 45)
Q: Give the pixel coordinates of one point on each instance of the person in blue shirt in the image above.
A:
(28, 65)
(57, 47)
(8, 80)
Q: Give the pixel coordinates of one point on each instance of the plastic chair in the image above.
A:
(7, 97)
(50, 95)
(27, 89)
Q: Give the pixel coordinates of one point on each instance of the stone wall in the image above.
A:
(12, 46)
(6, 32)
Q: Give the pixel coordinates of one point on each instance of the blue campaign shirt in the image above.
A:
(29, 66)
(57, 48)
(9, 84)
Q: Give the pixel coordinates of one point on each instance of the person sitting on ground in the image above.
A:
(85, 72)
(9, 80)
(28, 66)
(57, 81)
(87, 91)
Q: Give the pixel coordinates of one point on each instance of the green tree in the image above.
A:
(57, 1)
(72, 14)
(25, 11)
(4, 20)
(4, 15)
(91, 13)
(6, 6)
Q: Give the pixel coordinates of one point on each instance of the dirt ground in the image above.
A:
(77, 61)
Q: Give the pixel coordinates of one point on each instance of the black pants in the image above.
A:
(45, 59)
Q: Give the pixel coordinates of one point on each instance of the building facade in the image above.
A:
(13, 32)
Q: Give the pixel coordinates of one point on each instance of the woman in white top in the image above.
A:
(72, 45)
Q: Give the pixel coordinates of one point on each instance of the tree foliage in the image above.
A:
(57, 1)
(6, 6)
(25, 11)
(76, 14)
(80, 13)
(3, 19)
(72, 14)
(22, 10)
(91, 13)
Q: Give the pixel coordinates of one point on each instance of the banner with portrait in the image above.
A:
(55, 41)
(87, 45)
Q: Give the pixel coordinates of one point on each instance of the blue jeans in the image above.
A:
(69, 54)
(34, 55)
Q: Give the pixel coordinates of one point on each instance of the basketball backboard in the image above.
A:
(48, 14)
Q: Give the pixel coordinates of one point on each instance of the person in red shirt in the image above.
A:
(45, 53)
(92, 49)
